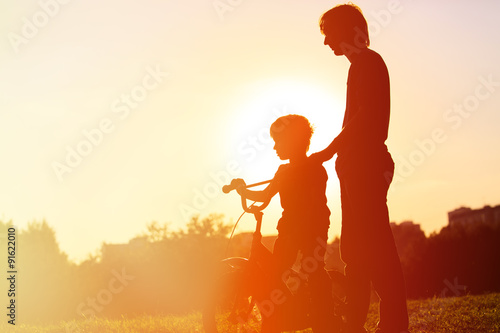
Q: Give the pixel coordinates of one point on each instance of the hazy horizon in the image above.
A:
(118, 114)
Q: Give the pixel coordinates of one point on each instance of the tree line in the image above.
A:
(169, 271)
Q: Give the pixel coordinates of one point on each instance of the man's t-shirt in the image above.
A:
(368, 97)
(302, 190)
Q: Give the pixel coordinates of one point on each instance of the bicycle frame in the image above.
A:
(259, 254)
(251, 284)
(253, 275)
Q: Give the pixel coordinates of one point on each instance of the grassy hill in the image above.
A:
(471, 314)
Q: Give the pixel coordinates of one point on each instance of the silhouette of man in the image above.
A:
(365, 169)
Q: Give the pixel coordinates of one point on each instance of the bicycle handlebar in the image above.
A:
(228, 188)
(252, 209)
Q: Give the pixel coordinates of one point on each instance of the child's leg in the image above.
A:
(284, 254)
(320, 286)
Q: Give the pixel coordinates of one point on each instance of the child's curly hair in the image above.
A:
(293, 127)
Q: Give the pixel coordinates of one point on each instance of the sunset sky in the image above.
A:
(119, 113)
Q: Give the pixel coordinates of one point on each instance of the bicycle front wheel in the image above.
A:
(231, 307)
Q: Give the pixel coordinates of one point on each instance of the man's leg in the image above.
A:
(388, 281)
(387, 275)
(352, 251)
(368, 195)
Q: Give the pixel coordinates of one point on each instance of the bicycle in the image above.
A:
(241, 301)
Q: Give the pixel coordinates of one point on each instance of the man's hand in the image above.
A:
(317, 157)
(327, 153)
(322, 156)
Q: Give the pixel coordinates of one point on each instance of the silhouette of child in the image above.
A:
(304, 223)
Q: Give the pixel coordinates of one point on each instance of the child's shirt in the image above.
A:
(302, 190)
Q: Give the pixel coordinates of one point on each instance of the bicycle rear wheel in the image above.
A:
(231, 307)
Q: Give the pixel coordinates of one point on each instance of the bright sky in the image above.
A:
(119, 113)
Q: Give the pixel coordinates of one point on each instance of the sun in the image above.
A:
(263, 103)
(248, 144)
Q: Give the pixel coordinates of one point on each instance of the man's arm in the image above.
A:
(337, 143)
(372, 94)
(327, 153)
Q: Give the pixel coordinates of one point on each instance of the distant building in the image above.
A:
(466, 216)
(406, 225)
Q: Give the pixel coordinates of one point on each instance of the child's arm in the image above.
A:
(260, 196)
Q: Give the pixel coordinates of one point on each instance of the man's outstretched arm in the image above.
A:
(344, 136)
(327, 153)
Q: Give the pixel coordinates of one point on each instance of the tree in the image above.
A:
(410, 241)
(45, 275)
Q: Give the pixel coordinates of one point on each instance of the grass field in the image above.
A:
(455, 314)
